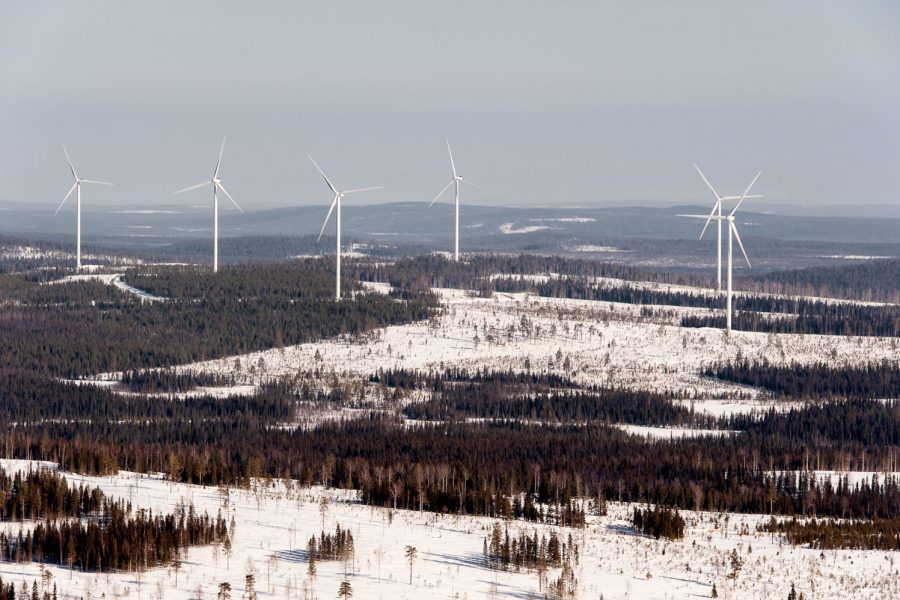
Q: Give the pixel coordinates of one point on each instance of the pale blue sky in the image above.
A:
(556, 102)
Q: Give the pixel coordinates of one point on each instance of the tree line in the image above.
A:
(819, 380)
(117, 541)
(77, 525)
(659, 521)
(832, 534)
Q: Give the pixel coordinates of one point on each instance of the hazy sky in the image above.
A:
(556, 102)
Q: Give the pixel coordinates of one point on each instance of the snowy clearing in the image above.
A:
(510, 228)
(593, 248)
(607, 343)
(113, 279)
(723, 407)
(670, 433)
(274, 523)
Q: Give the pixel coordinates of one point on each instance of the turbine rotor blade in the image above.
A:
(97, 182)
(740, 245)
(452, 165)
(71, 166)
(739, 197)
(365, 189)
(441, 193)
(69, 193)
(193, 187)
(711, 215)
(321, 172)
(706, 181)
(222, 187)
(219, 162)
(328, 216)
(744, 195)
(701, 217)
(467, 182)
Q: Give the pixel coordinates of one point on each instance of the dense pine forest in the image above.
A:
(868, 280)
(80, 527)
(87, 327)
(814, 381)
(830, 534)
(478, 272)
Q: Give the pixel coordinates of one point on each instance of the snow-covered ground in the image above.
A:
(30, 252)
(106, 278)
(113, 279)
(272, 525)
(670, 433)
(595, 248)
(143, 295)
(725, 407)
(605, 343)
(510, 228)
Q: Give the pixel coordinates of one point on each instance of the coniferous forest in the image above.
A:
(87, 327)
(81, 528)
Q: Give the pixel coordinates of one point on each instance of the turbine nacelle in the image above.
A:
(338, 194)
(78, 181)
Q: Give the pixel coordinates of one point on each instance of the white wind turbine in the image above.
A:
(76, 187)
(455, 181)
(216, 182)
(336, 202)
(732, 234)
(717, 211)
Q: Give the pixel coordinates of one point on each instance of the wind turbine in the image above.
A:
(717, 211)
(216, 182)
(336, 202)
(455, 181)
(76, 187)
(732, 234)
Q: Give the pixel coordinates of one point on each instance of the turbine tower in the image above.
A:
(336, 202)
(216, 182)
(732, 234)
(76, 187)
(455, 181)
(717, 211)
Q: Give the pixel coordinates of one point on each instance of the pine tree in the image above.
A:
(411, 558)
(224, 591)
(250, 586)
(176, 566)
(311, 557)
(736, 564)
(226, 547)
(345, 591)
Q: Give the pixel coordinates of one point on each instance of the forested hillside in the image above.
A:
(82, 328)
(873, 280)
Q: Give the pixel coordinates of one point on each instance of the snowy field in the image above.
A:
(114, 279)
(605, 343)
(30, 252)
(272, 525)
